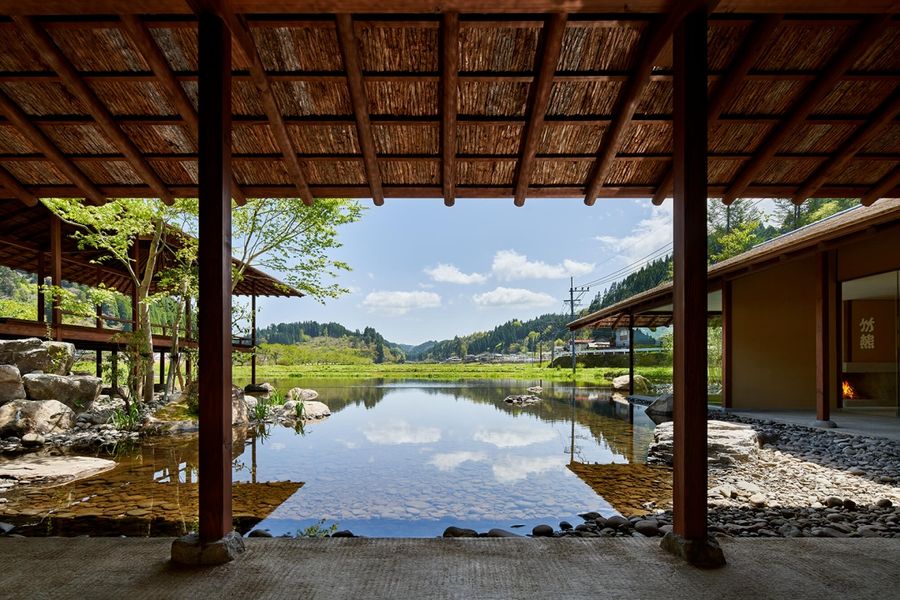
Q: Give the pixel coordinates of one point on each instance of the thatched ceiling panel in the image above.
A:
(882, 55)
(302, 98)
(16, 54)
(488, 139)
(863, 172)
(765, 97)
(583, 97)
(723, 40)
(133, 97)
(419, 138)
(319, 138)
(108, 172)
(245, 98)
(888, 140)
(656, 99)
(176, 172)
(248, 138)
(502, 98)
(386, 47)
(179, 45)
(636, 172)
(34, 172)
(480, 172)
(402, 97)
(721, 172)
(796, 46)
(560, 172)
(77, 138)
(787, 170)
(575, 138)
(856, 97)
(260, 172)
(817, 137)
(600, 48)
(298, 48)
(418, 172)
(11, 141)
(43, 98)
(737, 137)
(160, 138)
(106, 49)
(647, 137)
(484, 48)
(335, 172)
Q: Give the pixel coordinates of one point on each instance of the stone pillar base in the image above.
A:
(188, 550)
(705, 554)
(824, 424)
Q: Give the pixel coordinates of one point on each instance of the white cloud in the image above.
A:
(451, 274)
(509, 264)
(647, 236)
(511, 469)
(513, 438)
(450, 460)
(396, 431)
(514, 297)
(400, 303)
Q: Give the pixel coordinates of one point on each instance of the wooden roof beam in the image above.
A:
(18, 190)
(40, 141)
(245, 44)
(547, 60)
(885, 186)
(756, 41)
(449, 103)
(867, 33)
(56, 60)
(140, 35)
(350, 53)
(626, 105)
(885, 113)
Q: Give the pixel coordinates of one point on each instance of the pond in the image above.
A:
(395, 458)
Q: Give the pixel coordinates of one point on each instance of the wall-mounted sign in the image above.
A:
(872, 329)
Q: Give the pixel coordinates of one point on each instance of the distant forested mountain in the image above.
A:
(368, 342)
(647, 277)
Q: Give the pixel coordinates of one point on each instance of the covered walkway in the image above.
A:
(797, 568)
(852, 422)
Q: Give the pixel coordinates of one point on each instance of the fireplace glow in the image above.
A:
(849, 391)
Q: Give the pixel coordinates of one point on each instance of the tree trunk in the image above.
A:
(147, 351)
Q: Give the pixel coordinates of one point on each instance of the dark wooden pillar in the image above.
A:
(56, 271)
(631, 354)
(253, 337)
(689, 219)
(727, 325)
(41, 281)
(823, 356)
(838, 347)
(215, 277)
(99, 364)
(162, 367)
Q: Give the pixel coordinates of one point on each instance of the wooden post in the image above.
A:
(215, 277)
(115, 371)
(99, 364)
(136, 258)
(56, 271)
(838, 335)
(823, 373)
(253, 336)
(41, 281)
(162, 367)
(630, 354)
(188, 333)
(727, 326)
(689, 219)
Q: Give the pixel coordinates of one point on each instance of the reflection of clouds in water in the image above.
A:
(514, 438)
(397, 431)
(276, 446)
(511, 469)
(450, 460)
(347, 444)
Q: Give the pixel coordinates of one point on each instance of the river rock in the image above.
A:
(727, 443)
(31, 355)
(260, 388)
(542, 531)
(522, 399)
(75, 391)
(32, 469)
(641, 384)
(103, 408)
(662, 406)
(311, 410)
(647, 527)
(11, 387)
(302, 394)
(501, 533)
(239, 412)
(455, 532)
(20, 417)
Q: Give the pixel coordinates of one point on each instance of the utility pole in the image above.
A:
(581, 291)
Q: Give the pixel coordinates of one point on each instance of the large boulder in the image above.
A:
(662, 406)
(239, 412)
(31, 355)
(302, 394)
(727, 443)
(76, 391)
(21, 417)
(11, 387)
(11, 349)
(641, 384)
(309, 410)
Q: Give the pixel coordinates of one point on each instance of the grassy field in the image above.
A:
(447, 372)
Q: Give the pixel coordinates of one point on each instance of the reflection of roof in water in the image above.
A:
(628, 488)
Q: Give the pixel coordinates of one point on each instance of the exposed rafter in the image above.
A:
(626, 105)
(245, 44)
(546, 62)
(861, 39)
(885, 113)
(886, 186)
(40, 141)
(350, 53)
(755, 42)
(54, 57)
(141, 37)
(449, 101)
(17, 189)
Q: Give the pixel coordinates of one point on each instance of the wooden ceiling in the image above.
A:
(99, 99)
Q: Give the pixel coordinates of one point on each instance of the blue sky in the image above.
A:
(424, 271)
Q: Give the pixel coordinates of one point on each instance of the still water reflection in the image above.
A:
(394, 459)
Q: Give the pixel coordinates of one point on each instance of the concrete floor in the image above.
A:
(424, 569)
(854, 422)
